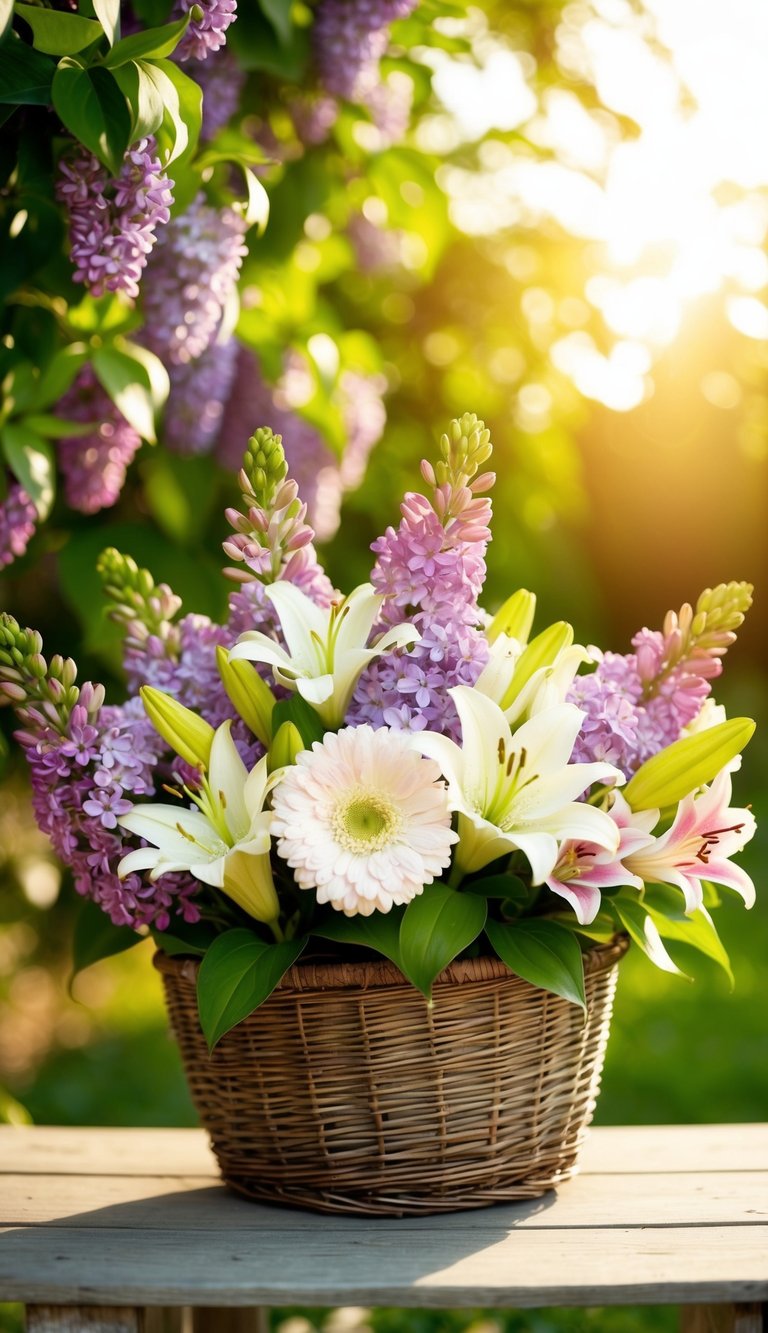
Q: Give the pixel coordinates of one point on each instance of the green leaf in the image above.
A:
(56, 33)
(30, 459)
(278, 13)
(56, 428)
(96, 938)
(256, 211)
(25, 74)
(435, 928)
(238, 973)
(631, 916)
(544, 953)
(601, 930)
(127, 383)
(58, 375)
(158, 380)
(667, 908)
(687, 764)
(185, 940)
(94, 109)
(303, 717)
(183, 102)
(380, 931)
(108, 14)
(155, 42)
(507, 887)
(143, 97)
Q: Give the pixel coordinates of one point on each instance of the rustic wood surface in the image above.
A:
(138, 1218)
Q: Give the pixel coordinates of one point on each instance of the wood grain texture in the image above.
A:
(640, 1149)
(62, 1319)
(220, 1319)
(197, 1203)
(453, 1268)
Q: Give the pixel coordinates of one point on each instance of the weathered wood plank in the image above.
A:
(196, 1203)
(53, 1150)
(454, 1268)
(609, 1150)
(63, 1319)
(723, 1319)
(675, 1148)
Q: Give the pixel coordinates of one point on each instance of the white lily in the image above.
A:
(518, 791)
(547, 687)
(224, 842)
(327, 647)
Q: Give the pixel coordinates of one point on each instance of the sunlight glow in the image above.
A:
(676, 203)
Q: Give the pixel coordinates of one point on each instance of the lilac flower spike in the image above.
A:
(193, 273)
(94, 465)
(207, 34)
(637, 704)
(349, 38)
(431, 571)
(18, 520)
(113, 222)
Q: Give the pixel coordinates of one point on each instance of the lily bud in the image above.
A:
(541, 652)
(186, 733)
(250, 695)
(515, 617)
(687, 764)
(285, 747)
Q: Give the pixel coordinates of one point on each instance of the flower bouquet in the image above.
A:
(389, 847)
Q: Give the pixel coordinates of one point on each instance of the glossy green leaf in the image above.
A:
(152, 42)
(141, 92)
(108, 14)
(544, 953)
(302, 715)
(631, 916)
(698, 930)
(58, 375)
(380, 931)
(278, 12)
(30, 459)
(157, 377)
(182, 98)
(58, 33)
(95, 938)
(94, 109)
(185, 940)
(126, 382)
(238, 973)
(687, 764)
(25, 74)
(435, 928)
(56, 428)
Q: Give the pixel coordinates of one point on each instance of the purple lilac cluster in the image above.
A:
(349, 38)
(313, 116)
(207, 33)
(431, 571)
(87, 762)
(222, 82)
(192, 273)
(195, 406)
(94, 465)
(321, 476)
(18, 520)
(113, 222)
(638, 703)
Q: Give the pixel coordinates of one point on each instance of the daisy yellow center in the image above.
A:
(364, 822)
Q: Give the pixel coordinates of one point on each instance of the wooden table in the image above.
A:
(101, 1228)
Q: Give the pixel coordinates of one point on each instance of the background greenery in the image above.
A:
(610, 515)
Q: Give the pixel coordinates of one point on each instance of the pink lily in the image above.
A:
(705, 834)
(583, 868)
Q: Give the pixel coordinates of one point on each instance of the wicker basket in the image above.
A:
(346, 1093)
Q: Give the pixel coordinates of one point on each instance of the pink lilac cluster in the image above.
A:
(322, 477)
(94, 465)
(195, 406)
(430, 571)
(222, 81)
(113, 221)
(313, 116)
(18, 520)
(207, 33)
(191, 277)
(635, 705)
(349, 38)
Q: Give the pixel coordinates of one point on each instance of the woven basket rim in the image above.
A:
(309, 976)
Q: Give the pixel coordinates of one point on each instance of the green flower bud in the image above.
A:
(541, 652)
(186, 733)
(515, 617)
(687, 764)
(285, 747)
(249, 694)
